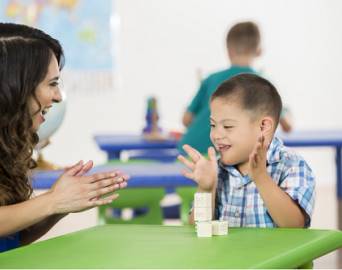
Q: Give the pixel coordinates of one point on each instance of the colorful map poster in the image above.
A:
(82, 27)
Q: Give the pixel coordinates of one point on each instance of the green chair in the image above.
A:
(187, 196)
(135, 198)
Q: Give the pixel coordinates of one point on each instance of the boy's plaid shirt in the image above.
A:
(238, 199)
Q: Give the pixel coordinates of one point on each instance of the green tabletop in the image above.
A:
(152, 246)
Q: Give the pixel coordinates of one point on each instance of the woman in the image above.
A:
(29, 75)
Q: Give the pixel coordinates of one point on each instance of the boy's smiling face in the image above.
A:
(234, 132)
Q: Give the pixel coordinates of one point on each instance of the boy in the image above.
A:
(243, 47)
(257, 182)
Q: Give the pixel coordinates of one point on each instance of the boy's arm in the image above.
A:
(285, 120)
(187, 118)
(283, 209)
(285, 124)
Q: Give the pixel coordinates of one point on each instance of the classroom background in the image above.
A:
(162, 45)
(161, 48)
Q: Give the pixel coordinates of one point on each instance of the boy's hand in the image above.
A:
(257, 160)
(203, 171)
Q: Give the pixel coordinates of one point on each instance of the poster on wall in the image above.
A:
(85, 31)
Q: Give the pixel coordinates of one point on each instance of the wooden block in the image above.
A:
(202, 200)
(204, 229)
(202, 214)
(220, 227)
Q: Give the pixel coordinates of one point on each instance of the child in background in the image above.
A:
(243, 47)
(257, 182)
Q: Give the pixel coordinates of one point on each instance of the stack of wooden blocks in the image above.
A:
(205, 227)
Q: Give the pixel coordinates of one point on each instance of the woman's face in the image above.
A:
(47, 93)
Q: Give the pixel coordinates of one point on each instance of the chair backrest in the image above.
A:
(135, 198)
(187, 196)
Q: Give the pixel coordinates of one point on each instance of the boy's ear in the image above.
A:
(267, 126)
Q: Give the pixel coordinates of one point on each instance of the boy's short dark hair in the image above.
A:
(243, 38)
(254, 93)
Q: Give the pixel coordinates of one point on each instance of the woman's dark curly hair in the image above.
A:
(25, 54)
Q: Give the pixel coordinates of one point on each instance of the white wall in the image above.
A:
(162, 44)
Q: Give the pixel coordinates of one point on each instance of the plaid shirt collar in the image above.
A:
(273, 156)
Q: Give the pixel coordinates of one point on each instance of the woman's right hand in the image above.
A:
(74, 192)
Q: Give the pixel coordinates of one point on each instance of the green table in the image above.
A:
(152, 246)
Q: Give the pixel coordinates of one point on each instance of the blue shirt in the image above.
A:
(238, 199)
(9, 242)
